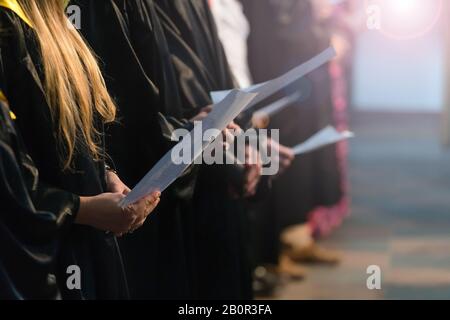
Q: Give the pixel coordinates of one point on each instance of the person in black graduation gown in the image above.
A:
(158, 257)
(73, 188)
(130, 32)
(313, 180)
(221, 229)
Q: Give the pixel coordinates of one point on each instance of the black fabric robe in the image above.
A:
(290, 27)
(221, 228)
(93, 251)
(159, 256)
(28, 238)
(179, 253)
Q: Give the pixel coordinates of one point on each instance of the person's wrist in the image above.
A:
(84, 212)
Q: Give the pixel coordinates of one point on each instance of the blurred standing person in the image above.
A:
(171, 70)
(157, 257)
(324, 220)
(221, 226)
(314, 180)
(234, 30)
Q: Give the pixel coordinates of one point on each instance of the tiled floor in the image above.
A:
(401, 215)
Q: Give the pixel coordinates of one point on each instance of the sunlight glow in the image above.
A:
(407, 19)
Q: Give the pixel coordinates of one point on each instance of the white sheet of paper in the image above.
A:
(278, 105)
(325, 137)
(218, 96)
(165, 172)
(271, 87)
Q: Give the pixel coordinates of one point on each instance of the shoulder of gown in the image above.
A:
(14, 7)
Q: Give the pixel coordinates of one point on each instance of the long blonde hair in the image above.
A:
(74, 86)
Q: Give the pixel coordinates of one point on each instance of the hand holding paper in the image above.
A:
(168, 169)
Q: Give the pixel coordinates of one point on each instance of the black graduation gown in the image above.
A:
(27, 236)
(158, 257)
(166, 270)
(93, 251)
(221, 224)
(313, 179)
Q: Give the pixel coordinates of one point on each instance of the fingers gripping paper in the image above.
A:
(166, 171)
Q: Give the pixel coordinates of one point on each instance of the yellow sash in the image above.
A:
(3, 99)
(14, 6)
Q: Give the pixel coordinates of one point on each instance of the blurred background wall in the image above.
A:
(395, 75)
(400, 75)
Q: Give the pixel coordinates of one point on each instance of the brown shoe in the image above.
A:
(313, 254)
(298, 236)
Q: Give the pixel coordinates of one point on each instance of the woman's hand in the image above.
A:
(142, 209)
(114, 184)
(260, 120)
(286, 157)
(202, 115)
(235, 128)
(104, 213)
(286, 154)
(253, 171)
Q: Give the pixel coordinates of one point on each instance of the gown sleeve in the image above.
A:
(27, 235)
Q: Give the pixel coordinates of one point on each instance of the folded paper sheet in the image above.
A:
(269, 88)
(325, 137)
(168, 169)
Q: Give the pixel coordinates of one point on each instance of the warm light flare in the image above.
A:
(406, 19)
(404, 7)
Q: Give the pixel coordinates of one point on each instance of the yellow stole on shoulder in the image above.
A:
(4, 100)
(14, 6)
